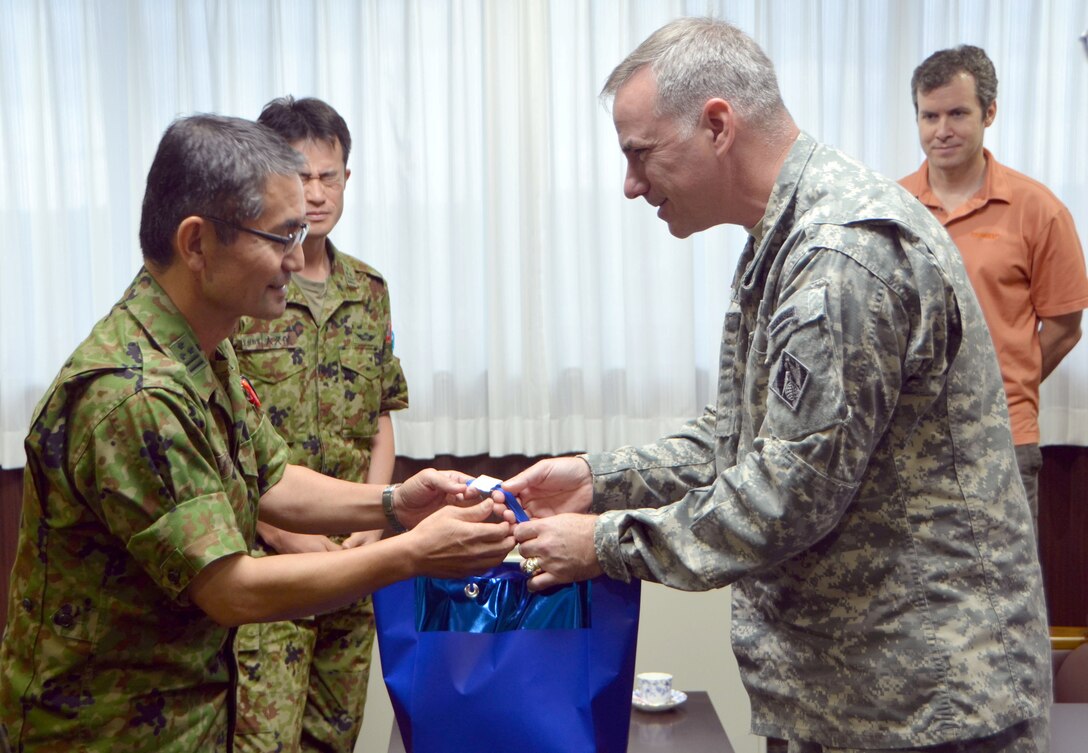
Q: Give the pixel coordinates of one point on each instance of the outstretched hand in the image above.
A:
(553, 486)
(564, 547)
(456, 541)
(430, 490)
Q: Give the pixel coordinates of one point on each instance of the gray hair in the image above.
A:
(209, 165)
(942, 66)
(696, 59)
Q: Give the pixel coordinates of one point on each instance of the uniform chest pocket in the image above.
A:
(272, 366)
(279, 377)
(361, 390)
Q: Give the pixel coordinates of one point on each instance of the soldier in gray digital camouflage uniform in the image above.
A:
(856, 481)
(147, 458)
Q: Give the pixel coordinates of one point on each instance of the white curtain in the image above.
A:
(535, 309)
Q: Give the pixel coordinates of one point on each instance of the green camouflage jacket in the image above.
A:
(855, 481)
(323, 384)
(145, 463)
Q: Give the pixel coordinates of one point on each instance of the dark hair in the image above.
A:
(209, 165)
(307, 118)
(942, 66)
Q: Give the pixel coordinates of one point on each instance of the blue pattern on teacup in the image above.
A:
(654, 688)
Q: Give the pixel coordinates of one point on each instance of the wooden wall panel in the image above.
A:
(11, 500)
(1063, 533)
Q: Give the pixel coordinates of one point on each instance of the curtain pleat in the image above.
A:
(535, 309)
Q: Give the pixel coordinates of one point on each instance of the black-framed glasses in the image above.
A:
(289, 242)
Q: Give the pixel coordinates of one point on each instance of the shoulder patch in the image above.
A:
(790, 380)
(186, 350)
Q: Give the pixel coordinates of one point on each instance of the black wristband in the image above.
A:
(390, 513)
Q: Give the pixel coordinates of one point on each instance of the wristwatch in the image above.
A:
(390, 513)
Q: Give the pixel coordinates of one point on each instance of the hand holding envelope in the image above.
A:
(558, 545)
(563, 544)
(430, 490)
(553, 486)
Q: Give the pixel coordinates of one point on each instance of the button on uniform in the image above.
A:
(63, 617)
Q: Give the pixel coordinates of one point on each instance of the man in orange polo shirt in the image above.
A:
(1017, 239)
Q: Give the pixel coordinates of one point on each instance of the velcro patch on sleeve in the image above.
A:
(790, 379)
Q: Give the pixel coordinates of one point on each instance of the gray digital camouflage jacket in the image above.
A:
(855, 482)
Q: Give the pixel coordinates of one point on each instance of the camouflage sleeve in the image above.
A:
(845, 327)
(394, 385)
(151, 476)
(675, 465)
(271, 450)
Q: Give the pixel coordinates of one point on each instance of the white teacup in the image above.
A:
(654, 688)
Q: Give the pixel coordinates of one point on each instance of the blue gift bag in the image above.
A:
(479, 664)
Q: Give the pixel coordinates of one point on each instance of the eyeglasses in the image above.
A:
(1084, 41)
(289, 242)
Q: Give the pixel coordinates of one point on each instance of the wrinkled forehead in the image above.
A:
(321, 153)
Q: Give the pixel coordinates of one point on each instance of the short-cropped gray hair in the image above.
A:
(696, 59)
(209, 165)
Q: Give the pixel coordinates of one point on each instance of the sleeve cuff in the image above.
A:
(606, 543)
(171, 554)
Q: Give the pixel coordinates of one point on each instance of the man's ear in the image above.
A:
(189, 241)
(990, 114)
(720, 119)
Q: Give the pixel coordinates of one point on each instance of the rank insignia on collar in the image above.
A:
(790, 380)
(251, 394)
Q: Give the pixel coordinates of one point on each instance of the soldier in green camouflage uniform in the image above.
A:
(328, 379)
(856, 481)
(146, 460)
(126, 658)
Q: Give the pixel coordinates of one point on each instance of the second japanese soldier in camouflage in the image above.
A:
(327, 378)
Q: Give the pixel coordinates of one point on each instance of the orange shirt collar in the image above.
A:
(995, 186)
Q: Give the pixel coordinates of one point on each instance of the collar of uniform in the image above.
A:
(169, 331)
(785, 187)
(342, 283)
(344, 273)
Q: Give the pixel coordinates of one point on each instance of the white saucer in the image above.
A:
(678, 697)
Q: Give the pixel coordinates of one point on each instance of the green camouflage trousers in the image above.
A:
(302, 684)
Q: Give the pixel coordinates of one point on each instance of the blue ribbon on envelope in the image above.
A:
(487, 484)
